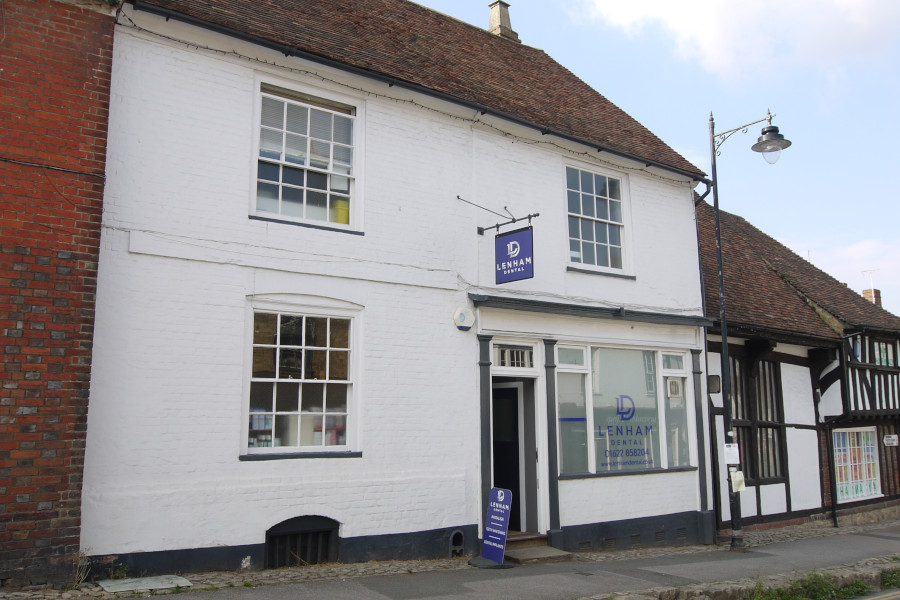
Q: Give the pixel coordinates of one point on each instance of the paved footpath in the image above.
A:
(774, 558)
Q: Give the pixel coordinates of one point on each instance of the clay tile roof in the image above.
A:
(409, 43)
(769, 287)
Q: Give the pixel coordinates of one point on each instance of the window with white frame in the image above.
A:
(304, 168)
(612, 419)
(301, 382)
(595, 217)
(856, 471)
(520, 357)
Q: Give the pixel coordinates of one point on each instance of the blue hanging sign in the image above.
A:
(493, 545)
(514, 255)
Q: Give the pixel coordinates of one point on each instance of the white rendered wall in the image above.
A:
(804, 469)
(659, 225)
(797, 393)
(802, 444)
(773, 499)
(831, 403)
(181, 263)
(604, 499)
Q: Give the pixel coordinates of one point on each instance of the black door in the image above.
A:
(506, 448)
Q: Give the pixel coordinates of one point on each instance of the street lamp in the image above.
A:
(770, 144)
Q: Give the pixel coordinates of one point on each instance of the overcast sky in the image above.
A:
(828, 69)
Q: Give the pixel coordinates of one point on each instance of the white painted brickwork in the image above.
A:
(181, 263)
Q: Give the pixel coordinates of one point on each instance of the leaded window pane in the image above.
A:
(343, 130)
(264, 327)
(335, 430)
(615, 212)
(572, 179)
(316, 331)
(264, 362)
(320, 154)
(315, 364)
(320, 125)
(297, 117)
(340, 332)
(292, 202)
(272, 113)
(316, 205)
(266, 197)
(261, 396)
(313, 397)
(337, 397)
(615, 258)
(285, 430)
(295, 149)
(268, 171)
(270, 144)
(615, 191)
(287, 397)
(587, 182)
(291, 331)
(574, 202)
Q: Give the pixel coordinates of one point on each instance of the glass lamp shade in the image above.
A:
(771, 156)
(770, 144)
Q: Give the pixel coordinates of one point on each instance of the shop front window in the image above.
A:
(628, 422)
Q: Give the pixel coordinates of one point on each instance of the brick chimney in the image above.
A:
(873, 296)
(500, 24)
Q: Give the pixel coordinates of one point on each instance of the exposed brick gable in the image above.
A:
(54, 95)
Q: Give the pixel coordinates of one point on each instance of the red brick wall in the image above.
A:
(55, 61)
(826, 466)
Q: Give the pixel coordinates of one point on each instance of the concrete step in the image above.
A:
(523, 547)
(523, 539)
(535, 554)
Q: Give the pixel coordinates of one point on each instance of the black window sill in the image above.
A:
(309, 225)
(293, 455)
(601, 273)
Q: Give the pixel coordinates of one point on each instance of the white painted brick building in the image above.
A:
(208, 437)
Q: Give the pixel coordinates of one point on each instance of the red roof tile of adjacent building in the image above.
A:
(770, 288)
(403, 41)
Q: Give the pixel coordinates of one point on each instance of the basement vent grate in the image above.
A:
(300, 542)
(636, 540)
(297, 549)
(660, 536)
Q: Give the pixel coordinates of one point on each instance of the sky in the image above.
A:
(829, 70)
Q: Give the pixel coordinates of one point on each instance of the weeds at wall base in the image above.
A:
(818, 586)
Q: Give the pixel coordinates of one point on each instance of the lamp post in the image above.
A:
(770, 144)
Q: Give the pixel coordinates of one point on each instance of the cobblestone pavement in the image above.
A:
(228, 579)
